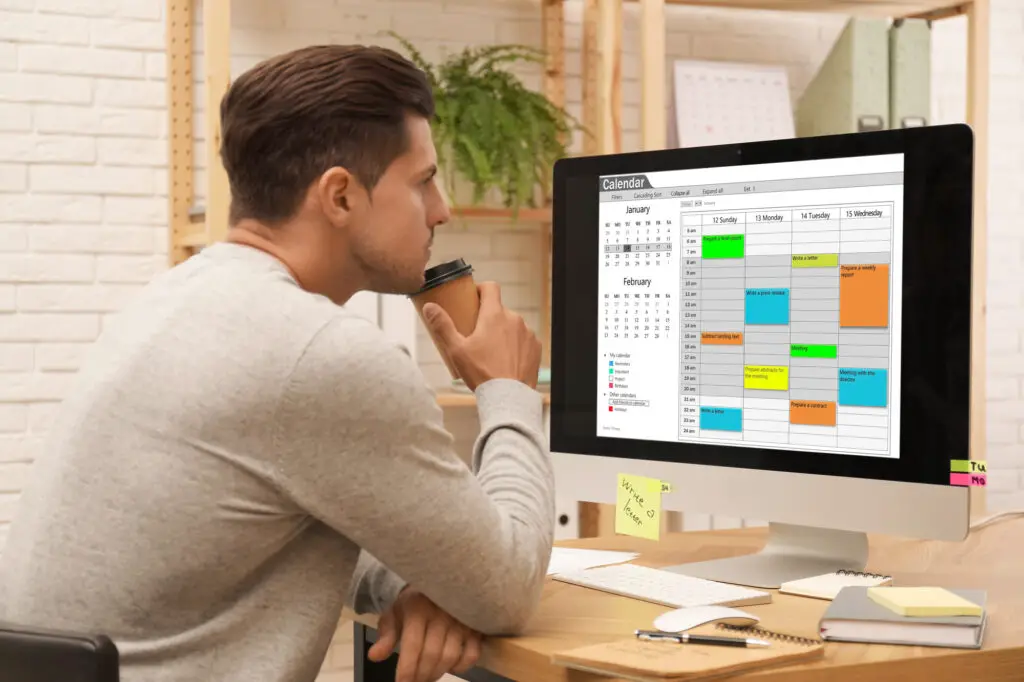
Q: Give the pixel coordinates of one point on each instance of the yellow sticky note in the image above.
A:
(638, 507)
(923, 601)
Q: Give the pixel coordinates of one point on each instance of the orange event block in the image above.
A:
(812, 413)
(721, 338)
(864, 296)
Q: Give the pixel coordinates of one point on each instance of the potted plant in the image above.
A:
(499, 136)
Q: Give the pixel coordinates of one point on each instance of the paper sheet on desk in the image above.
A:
(566, 559)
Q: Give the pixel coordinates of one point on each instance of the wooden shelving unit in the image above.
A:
(601, 55)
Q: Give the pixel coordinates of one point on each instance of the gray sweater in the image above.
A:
(240, 458)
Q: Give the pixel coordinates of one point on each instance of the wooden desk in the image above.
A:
(570, 616)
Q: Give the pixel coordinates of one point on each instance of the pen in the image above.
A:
(683, 638)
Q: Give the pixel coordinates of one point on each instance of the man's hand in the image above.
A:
(500, 347)
(432, 642)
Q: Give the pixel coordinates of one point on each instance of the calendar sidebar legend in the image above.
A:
(639, 314)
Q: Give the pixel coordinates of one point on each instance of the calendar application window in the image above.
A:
(754, 306)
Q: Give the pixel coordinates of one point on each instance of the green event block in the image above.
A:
(722, 246)
(801, 350)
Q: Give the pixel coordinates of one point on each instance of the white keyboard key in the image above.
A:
(663, 587)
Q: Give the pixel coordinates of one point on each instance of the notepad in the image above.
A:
(926, 602)
(632, 659)
(827, 586)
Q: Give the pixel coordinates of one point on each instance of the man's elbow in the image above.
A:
(513, 609)
(509, 622)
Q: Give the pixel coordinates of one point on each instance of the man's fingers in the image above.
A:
(490, 296)
(433, 646)
(387, 637)
(440, 323)
(413, 632)
(451, 654)
(470, 654)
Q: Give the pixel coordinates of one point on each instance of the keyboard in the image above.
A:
(663, 587)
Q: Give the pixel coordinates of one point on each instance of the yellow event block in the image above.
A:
(638, 507)
(923, 601)
(766, 378)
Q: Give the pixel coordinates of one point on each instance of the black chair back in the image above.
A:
(41, 655)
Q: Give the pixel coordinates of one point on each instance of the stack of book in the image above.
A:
(919, 616)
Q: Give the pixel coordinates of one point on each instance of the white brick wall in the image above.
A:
(83, 175)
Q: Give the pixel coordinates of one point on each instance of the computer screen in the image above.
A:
(754, 305)
(799, 305)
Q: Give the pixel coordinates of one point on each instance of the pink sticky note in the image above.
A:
(978, 480)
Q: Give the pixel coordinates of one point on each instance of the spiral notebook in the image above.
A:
(827, 586)
(645, 661)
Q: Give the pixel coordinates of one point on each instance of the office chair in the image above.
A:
(29, 654)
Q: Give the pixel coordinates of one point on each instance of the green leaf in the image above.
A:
(489, 127)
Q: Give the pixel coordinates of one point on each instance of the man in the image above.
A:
(240, 454)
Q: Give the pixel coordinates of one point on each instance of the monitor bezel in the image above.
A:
(935, 406)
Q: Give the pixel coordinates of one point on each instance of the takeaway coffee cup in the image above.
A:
(451, 286)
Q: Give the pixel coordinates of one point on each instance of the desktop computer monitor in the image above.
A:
(781, 330)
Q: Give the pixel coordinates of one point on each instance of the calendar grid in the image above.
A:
(764, 351)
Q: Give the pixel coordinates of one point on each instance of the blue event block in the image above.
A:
(860, 387)
(721, 418)
(767, 306)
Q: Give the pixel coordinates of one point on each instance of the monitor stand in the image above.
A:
(792, 552)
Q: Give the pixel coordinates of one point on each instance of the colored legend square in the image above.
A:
(611, 371)
(610, 408)
(611, 385)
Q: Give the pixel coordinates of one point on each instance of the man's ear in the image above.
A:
(339, 193)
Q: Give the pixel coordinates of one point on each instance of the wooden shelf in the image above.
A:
(934, 9)
(524, 215)
(459, 399)
(196, 234)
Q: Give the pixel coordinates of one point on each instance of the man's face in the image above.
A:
(391, 238)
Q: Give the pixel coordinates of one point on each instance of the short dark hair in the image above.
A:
(292, 117)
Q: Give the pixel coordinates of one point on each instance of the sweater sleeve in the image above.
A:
(361, 445)
(374, 586)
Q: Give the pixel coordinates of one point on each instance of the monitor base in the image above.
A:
(792, 552)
